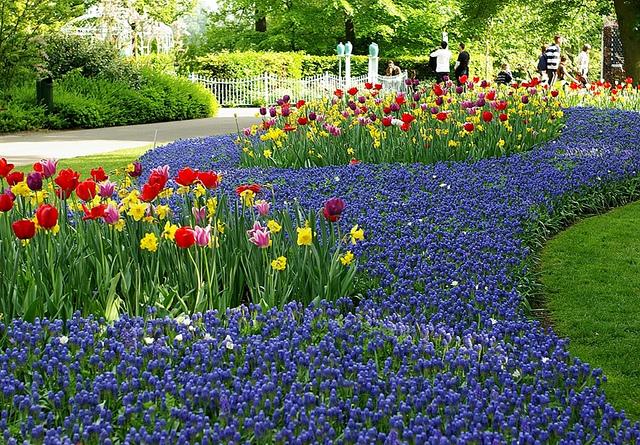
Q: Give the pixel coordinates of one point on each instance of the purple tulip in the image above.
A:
(34, 181)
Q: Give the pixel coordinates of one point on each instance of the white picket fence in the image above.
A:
(267, 89)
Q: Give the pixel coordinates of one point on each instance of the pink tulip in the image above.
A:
(261, 238)
(49, 167)
(106, 189)
(111, 214)
(202, 235)
(162, 171)
(262, 207)
(199, 214)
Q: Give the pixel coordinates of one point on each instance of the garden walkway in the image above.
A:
(25, 148)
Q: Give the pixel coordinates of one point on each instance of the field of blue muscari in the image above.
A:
(441, 349)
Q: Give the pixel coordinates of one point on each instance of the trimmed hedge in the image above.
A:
(92, 102)
(237, 65)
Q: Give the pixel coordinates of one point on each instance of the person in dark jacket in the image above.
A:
(462, 65)
(504, 76)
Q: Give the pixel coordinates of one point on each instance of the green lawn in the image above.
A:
(109, 161)
(591, 278)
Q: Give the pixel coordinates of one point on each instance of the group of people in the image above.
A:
(552, 65)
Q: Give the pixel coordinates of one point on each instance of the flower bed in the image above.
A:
(442, 123)
(103, 248)
(440, 352)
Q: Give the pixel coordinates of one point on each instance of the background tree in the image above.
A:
(628, 13)
(21, 23)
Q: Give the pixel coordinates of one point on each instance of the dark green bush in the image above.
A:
(238, 65)
(82, 102)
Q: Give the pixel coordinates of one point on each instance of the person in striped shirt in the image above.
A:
(553, 59)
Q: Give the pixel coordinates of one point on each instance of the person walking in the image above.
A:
(443, 61)
(504, 76)
(582, 65)
(553, 59)
(462, 65)
(542, 64)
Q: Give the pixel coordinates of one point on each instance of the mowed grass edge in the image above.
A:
(591, 283)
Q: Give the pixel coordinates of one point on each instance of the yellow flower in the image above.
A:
(21, 189)
(137, 211)
(212, 205)
(273, 226)
(501, 143)
(149, 242)
(130, 168)
(183, 190)
(351, 151)
(220, 226)
(55, 229)
(305, 236)
(130, 199)
(148, 219)
(119, 225)
(199, 190)
(356, 234)
(247, 198)
(279, 263)
(267, 153)
(166, 193)
(169, 231)
(162, 211)
(347, 258)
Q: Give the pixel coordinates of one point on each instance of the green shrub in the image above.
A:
(238, 65)
(163, 63)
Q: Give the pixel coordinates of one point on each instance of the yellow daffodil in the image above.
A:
(119, 226)
(273, 226)
(169, 231)
(212, 205)
(347, 258)
(305, 236)
(279, 263)
(149, 242)
(247, 198)
(356, 234)
(162, 211)
(137, 211)
(21, 189)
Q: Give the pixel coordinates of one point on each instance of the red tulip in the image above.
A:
(158, 178)
(407, 118)
(5, 168)
(368, 85)
(86, 190)
(302, 120)
(300, 104)
(187, 176)
(501, 105)
(37, 167)
(67, 180)
(463, 78)
(442, 116)
(255, 188)
(338, 93)
(24, 229)
(554, 93)
(210, 180)
(386, 121)
(185, 237)
(98, 174)
(629, 80)
(15, 177)
(476, 79)
(468, 126)
(6, 202)
(150, 192)
(352, 91)
(503, 117)
(47, 216)
(333, 209)
(487, 116)
(386, 110)
(288, 127)
(94, 213)
(354, 161)
(491, 95)
(378, 86)
(437, 89)
(400, 99)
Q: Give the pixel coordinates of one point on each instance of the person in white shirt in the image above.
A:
(443, 61)
(582, 64)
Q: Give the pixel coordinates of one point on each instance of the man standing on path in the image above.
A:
(553, 59)
(462, 65)
(443, 61)
(582, 64)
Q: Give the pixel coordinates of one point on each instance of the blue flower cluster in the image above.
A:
(439, 350)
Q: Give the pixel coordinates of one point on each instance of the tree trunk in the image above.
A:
(349, 31)
(628, 13)
(261, 21)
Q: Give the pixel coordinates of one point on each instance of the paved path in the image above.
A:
(28, 147)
